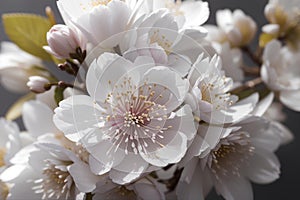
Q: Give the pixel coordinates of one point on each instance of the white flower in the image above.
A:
(232, 60)
(244, 153)
(131, 118)
(280, 71)
(235, 27)
(210, 97)
(37, 118)
(98, 20)
(158, 35)
(283, 17)
(63, 41)
(10, 142)
(282, 12)
(146, 188)
(50, 171)
(16, 66)
(187, 13)
(37, 84)
(275, 112)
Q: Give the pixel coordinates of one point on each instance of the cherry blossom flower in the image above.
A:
(234, 27)
(98, 20)
(280, 72)
(132, 119)
(16, 66)
(244, 153)
(187, 13)
(210, 97)
(146, 188)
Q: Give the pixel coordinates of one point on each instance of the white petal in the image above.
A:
(187, 125)
(85, 181)
(172, 81)
(129, 169)
(194, 183)
(283, 132)
(37, 118)
(271, 29)
(23, 184)
(264, 167)
(77, 116)
(263, 105)
(237, 111)
(107, 155)
(235, 188)
(291, 99)
(171, 153)
(195, 12)
(147, 190)
(104, 73)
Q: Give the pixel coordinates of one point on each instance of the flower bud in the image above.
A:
(64, 40)
(239, 28)
(37, 84)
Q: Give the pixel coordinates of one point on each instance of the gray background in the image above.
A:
(287, 186)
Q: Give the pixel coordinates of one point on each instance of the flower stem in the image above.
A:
(248, 85)
(251, 71)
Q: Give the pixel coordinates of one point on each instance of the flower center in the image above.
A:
(174, 7)
(93, 3)
(57, 183)
(231, 154)
(213, 91)
(161, 40)
(135, 117)
(76, 148)
(2, 156)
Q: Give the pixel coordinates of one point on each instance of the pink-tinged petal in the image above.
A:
(130, 169)
(264, 167)
(37, 118)
(291, 99)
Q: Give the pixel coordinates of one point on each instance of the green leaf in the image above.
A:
(59, 94)
(15, 110)
(28, 31)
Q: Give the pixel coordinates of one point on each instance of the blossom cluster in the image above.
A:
(161, 105)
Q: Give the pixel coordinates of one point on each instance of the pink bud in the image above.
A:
(63, 40)
(37, 84)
